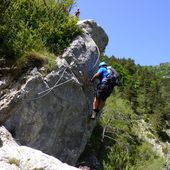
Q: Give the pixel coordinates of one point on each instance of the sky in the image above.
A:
(137, 29)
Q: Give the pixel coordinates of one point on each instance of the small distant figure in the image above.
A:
(77, 13)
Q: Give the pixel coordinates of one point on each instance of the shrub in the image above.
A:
(38, 25)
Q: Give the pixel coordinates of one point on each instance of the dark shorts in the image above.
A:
(104, 91)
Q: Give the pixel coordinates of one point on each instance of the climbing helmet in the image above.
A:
(102, 64)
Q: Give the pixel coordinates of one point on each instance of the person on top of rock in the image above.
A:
(108, 77)
(77, 13)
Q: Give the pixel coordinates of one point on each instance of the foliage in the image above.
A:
(14, 161)
(163, 69)
(35, 25)
(125, 150)
(155, 164)
(35, 59)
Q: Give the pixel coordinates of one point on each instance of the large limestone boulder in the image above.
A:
(50, 113)
(96, 32)
(16, 157)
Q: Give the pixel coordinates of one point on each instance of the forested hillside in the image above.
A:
(135, 121)
(163, 69)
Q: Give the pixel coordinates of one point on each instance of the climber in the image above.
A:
(77, 13)
(108, 78)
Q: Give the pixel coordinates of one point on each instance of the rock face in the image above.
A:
(15, 157)
(51, 113)
(96, 32)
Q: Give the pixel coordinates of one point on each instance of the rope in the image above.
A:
(95, 63)
(50, 89)
(47, 91)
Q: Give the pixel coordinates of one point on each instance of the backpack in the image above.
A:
(112, 76)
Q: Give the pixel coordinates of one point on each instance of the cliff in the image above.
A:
(50, 112)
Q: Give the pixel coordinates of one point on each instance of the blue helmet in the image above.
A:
(102, 64)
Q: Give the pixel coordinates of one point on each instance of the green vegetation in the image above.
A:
(163, 69)
(155, 164)
(38, 26)
(14, 161)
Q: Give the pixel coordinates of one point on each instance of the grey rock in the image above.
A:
(96, 32)
(51, 113)
(16, 157)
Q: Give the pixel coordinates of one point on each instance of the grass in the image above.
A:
(156, 164)
(14, 161)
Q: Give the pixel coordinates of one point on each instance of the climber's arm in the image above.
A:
(97, 75)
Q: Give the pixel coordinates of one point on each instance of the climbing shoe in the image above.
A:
(93, 116)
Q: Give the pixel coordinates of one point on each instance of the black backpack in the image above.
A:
(113, 76)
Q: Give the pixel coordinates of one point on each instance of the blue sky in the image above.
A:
(137, 29)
